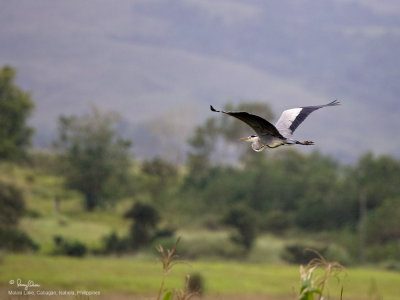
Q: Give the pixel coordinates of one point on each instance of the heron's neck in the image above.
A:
(256, 144)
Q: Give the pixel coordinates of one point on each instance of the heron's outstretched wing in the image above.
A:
(261, 126)
(292, 118)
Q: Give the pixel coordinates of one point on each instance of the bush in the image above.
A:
(12, 239)
(383, 223)
(196, 284)
(339, 254)
(145, 218)
(12, 204)
(382, 252)
(112, 243)
(245, 222)
(391, 265)
(70, 248)
(276, 221)
(301, 253)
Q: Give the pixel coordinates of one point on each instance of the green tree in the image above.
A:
(15, 107)
(96, 159)
(145, 218)
(374, 180)
(12, 207)
(245, 221)
(158, 176)
(318, 207)
(383, 224)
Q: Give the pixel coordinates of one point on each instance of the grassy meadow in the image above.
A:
(135, 277)
(261, 275)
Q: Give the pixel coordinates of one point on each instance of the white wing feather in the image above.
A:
(285, 121)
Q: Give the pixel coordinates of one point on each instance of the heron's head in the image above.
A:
(250, 139)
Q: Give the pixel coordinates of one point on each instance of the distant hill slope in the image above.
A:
(161, 64)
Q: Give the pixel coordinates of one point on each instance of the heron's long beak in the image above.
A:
(244, 139)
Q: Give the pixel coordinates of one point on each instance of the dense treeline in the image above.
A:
(289, 190)
(222, 183)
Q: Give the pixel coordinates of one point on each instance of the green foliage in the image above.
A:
(197, 284)
(314, 284)
(69, 248)
(169, 260)
(277, 221)
(384, 222)
(96, 159)
(12, 205)
(377, 178)
(15, 108)
(113, 244)
(163, 170)
(15, 240)
(159, 179)
(12, 208)
(145, 218)
(144, 214)
(300, 253)
(245, 222)
(384, 252)
(167, 295)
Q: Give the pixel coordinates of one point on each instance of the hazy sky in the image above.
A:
(160, 64)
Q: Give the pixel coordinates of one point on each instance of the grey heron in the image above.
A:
(270, 136)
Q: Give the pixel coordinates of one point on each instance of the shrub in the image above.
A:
(391, 265)
(302, 253)
(112, 243)
(276, 221)
(383, 223)
(196, 284)
(12, 239)
(382, 252)
(338, 253)
(12, 204)
(145, 218)
(70, 248)
(299, 254)
(315, 277)
(245, 222)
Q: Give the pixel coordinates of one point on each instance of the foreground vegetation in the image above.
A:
(142, 277)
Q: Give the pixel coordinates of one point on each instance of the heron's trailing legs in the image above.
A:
(293, 142)
(305, 143)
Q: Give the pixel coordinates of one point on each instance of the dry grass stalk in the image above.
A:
(168, 259)
(185, 294)
(319, 283)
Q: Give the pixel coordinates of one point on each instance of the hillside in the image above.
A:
(161, 65)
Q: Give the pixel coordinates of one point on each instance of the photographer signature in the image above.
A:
(27, 285)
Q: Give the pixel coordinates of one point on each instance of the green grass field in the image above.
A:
(262, 275)
(136, 277)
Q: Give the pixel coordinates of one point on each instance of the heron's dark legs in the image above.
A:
(305, 143)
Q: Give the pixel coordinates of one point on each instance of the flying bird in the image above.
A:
(270, 136)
